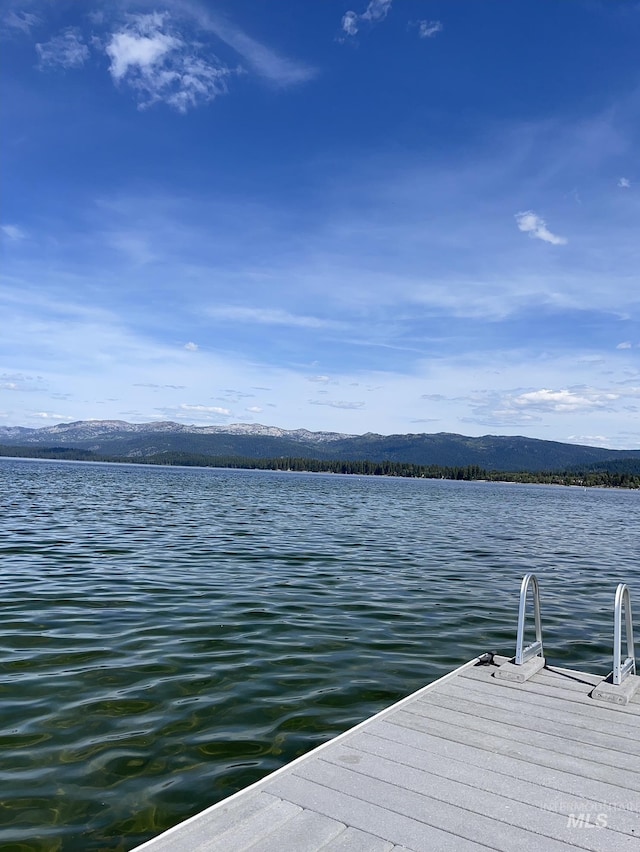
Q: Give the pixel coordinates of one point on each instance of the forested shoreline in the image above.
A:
(620, 475)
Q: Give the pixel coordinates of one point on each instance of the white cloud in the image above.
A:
(535, 226)
(427, 29)
(161, 66)
(516, 407)
(133, 49)
(625, 345)
(13, 232)
(254, 409)
(49, 415)
(624, 183)
(191, 346)
(268, 316)
(320, 379)
(66, 50)
(377, 10)
(563, 400)
(206, 409)
(350, 23)
(589, 440)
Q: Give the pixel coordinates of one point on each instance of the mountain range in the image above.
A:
(118, 438)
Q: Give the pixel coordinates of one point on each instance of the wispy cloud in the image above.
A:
(276, 69)
(20, 21)
(13, 232)
(157, 386)
(530, 406)
(536, 227)
(50, 415)
(269, 316)
(160, 65)
(377, 10)
(66, 50)
(350, 23)
(21, 382)
(625, 345)
(191, 346)
(624, 183)
(589, 440)
(206, 409)
(334, 403)
(428, 29)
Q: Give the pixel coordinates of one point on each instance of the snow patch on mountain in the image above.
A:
(83, 430)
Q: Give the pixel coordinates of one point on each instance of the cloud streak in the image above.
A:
(13, 232)
(206, 409)
(334, 403)
(276, 69)
(270, 316)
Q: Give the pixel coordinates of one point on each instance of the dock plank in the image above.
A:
(619, 750)
(354, 840)
(308, 831)
(473, 787)
(552, 789)
(551, 710)
(399, 828)
(451, 811)
(544, 756)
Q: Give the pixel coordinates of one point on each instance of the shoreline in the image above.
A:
(394, 470)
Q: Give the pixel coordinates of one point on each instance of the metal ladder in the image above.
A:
(530, 659)
(535, 649)
(622, 670)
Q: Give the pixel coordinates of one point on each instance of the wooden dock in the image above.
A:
(469, 762)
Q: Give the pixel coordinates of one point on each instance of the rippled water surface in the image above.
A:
(170, 635)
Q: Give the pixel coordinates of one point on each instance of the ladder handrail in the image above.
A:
(523, 654)
(622, 670)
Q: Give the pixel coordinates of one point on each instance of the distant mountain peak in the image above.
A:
(118, 438)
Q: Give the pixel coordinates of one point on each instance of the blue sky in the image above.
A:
(390, 216)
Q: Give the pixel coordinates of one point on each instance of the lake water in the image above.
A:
(170, 635)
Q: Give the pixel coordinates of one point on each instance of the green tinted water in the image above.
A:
(171, 635)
